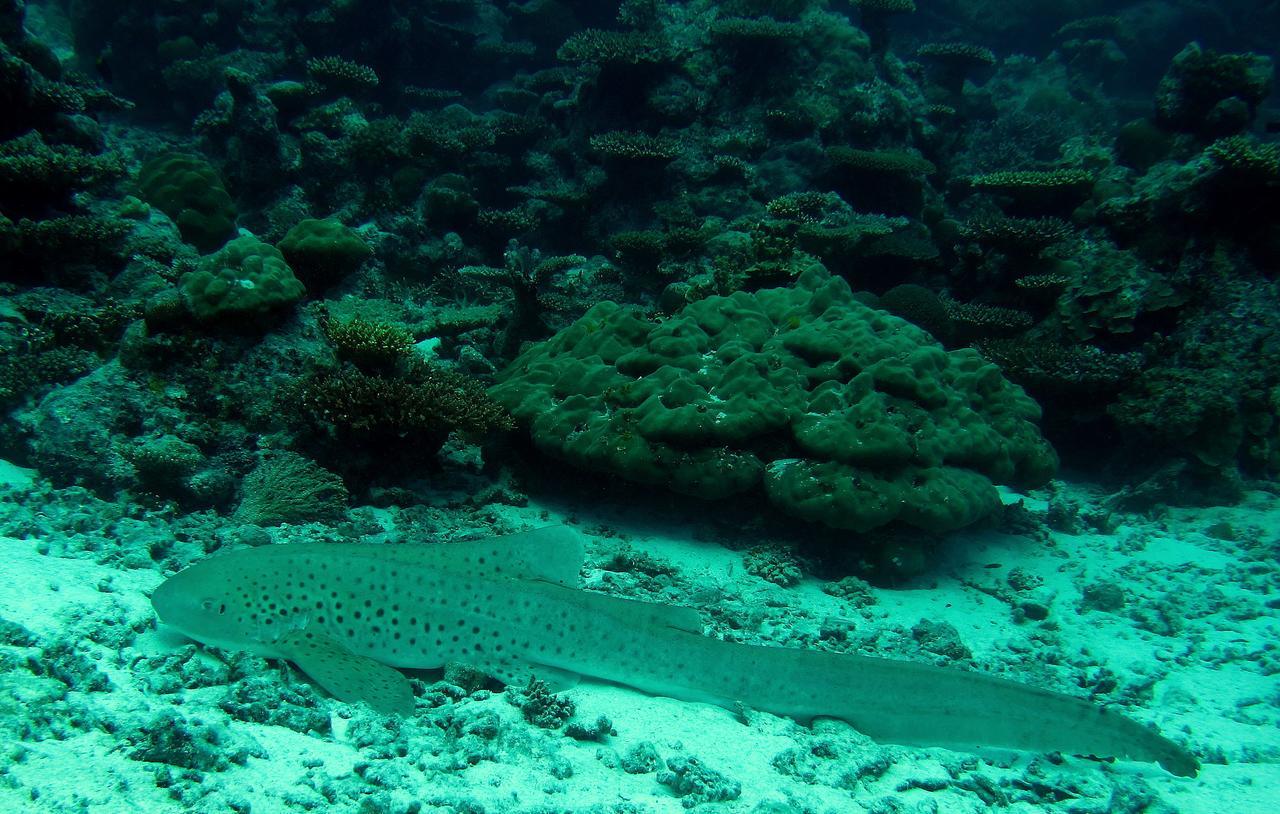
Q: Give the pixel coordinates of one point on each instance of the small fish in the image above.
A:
(349, 614)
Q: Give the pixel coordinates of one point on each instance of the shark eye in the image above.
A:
(211, 606)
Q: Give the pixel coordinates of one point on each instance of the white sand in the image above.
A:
(1211, 682)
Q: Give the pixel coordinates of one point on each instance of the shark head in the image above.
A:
(208, 602)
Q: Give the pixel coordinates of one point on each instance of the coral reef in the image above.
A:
(843, 414)
(1069, 200)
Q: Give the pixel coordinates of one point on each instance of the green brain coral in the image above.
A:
(187, 189)
(323, 251)
(843, 414)
(245, 279)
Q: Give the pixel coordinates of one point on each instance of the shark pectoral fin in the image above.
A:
(347, 676)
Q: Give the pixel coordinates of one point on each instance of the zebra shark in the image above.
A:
(350, 615)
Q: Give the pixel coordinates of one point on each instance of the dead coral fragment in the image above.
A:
(774, 563)
(952, 62)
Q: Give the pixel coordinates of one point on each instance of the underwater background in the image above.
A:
(943, 331)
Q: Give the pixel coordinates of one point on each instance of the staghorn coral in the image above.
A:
(892, 162)
(1048, 368)
(957, 53)
(1100, 26)
(36, 175)
(804, 207)
(634, 147)
(753, 32)
(639, 248)
(34, 247)
(843, 238)
(952, 62)
(1018, 236)
(1036, 191)
(454, 321)
(875, 19)
(507, 223)
(886, 6)
(889, 182)
(1012, 182)
(970, 320)
(341, 75)
(1247, 160)
(778, 9)
(369, 345)
(615, 48)
(908, 245)
(1042, 287)
(379, 413)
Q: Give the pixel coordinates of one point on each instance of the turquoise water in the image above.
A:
(782, 334)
